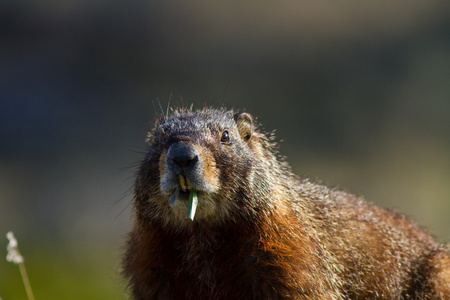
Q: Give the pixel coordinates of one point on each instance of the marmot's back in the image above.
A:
(220, 216)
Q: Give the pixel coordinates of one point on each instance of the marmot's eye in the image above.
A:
(225, 137)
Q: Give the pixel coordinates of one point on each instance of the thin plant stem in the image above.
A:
(15, 257)
(26, 281)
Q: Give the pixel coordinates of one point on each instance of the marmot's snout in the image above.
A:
(182, 157)
(186, 176)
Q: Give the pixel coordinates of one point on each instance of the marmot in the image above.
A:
(219, 215)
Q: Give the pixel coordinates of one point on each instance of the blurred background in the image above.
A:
(359, 92)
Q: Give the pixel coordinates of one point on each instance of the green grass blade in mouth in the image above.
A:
(192, 207)
(174, 197)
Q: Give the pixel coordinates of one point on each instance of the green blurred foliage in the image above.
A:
(58, 273)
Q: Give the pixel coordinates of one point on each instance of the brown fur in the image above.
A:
(261, 233)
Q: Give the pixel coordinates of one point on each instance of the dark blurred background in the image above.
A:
(359, 92)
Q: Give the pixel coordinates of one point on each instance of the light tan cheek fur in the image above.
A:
(210, 172)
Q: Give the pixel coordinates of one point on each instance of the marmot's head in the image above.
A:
(200, 166)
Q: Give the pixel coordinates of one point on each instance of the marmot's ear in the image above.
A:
(244, 122)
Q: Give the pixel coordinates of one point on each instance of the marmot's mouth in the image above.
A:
(186, 187)
(185, 184)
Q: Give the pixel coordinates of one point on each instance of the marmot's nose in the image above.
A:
(182, 154)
